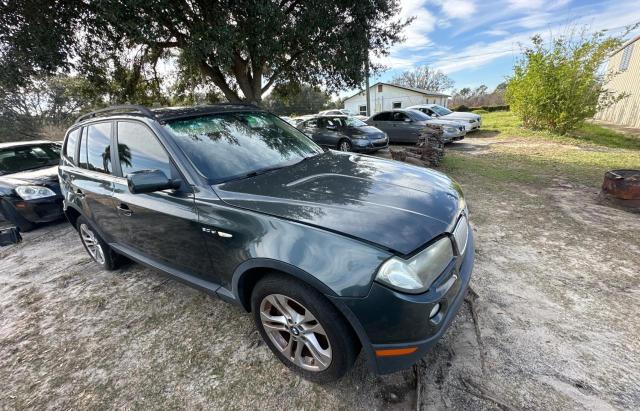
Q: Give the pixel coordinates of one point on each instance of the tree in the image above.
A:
(556, 86)
(287, 99)
(425, 78)
(244, 47)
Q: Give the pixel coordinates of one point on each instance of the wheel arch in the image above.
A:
(247, 275)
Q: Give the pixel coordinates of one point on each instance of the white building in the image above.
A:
(385, 96)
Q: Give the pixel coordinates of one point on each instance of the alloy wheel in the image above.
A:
(91, 242)
(344, 146)
(295, 332)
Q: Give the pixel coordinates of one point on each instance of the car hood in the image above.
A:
(370, 131)
(397, 206)
(444, 122)
(460, 115)
(40, 176)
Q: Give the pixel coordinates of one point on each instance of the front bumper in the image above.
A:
(454, 136)
(41, 210)
(473, 126)
(369, 146)
(389, 320)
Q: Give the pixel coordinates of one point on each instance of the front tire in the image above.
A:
(303, 329)
(95, 246)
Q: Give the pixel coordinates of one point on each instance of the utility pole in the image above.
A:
(367, 85)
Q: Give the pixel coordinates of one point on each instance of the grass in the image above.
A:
(515, 154)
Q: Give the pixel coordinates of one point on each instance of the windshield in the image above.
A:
(354, 122)
(442, 111)
(226, 146)
(28, 157)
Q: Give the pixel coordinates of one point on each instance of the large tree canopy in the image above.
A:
(243, 46)
(425, 78)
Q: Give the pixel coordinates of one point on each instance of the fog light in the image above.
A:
(434, 311)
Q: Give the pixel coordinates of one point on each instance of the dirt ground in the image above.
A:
(552, 324)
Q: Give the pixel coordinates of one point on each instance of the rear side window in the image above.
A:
(382, 117)
(139, 149)
(99, 147)
(70, 146)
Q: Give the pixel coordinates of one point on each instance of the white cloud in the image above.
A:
(526, 4)
(481, 53)
(496, 33)
(458, 9)
(416, 34)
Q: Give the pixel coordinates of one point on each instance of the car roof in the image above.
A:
(25, 143)
(163, 114)
(174, 113)
(423, 105)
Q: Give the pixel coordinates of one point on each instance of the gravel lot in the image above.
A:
(552, 324)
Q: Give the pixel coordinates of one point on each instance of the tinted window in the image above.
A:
(311, 123)
(82, 160)
(139, 149)
(234, 145)
(386, 116)
(28, 157)
(399, 116)
(70, 146)
(99, 147)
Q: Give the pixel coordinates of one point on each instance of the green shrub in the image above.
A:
(558, 86)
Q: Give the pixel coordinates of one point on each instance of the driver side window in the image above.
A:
(399, 116)
(139, 149)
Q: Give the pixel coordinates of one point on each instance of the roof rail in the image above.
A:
(131, 107)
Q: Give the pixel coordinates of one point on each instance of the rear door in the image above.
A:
(162, 225)
(92, 180)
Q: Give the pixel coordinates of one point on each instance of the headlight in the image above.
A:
(450, 129)
(416, 274)
(472, 120)
(33, 192)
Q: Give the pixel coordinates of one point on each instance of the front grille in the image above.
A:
(461, 233)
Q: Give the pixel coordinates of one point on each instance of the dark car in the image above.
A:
(29, 188)
(331, 252)
(405, 125)
(344, 133)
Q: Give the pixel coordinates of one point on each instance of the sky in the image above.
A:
(477, 42)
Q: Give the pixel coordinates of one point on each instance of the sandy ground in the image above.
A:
(553, 324)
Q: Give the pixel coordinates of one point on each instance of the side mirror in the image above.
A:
(407, 120)
(149, 181)
(330, 127)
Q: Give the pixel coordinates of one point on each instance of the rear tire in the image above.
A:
(96, 247)
(345, 145)
(303, 329)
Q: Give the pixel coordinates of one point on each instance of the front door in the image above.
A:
(162, 225)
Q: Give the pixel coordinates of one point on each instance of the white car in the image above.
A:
(471, 121)
(336, 112)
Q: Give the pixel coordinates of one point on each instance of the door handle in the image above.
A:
(79, 194)
(124, 210)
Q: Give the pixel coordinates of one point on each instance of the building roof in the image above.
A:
(633, 40)
(417, 90)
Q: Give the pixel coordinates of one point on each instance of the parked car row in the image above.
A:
(338, 129)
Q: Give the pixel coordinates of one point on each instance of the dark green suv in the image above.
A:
(331, 252)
